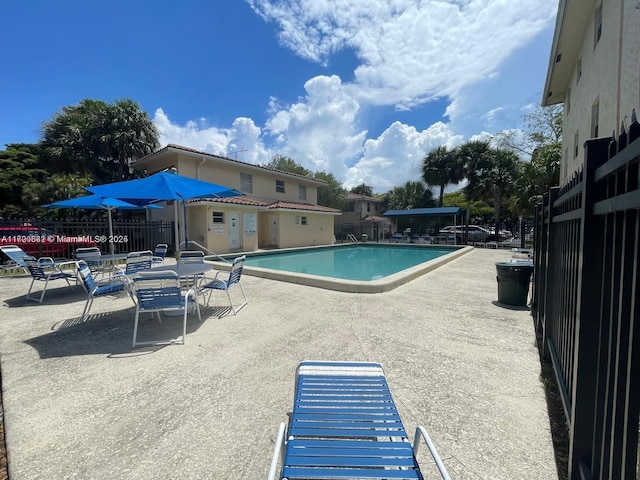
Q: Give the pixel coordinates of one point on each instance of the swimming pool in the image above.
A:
(361, 268)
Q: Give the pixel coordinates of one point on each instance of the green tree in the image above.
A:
(497, 177)
(480, 209)
(23, 182)
(413, 194)
(363, 189)
(541, 145)
(471, 156)
(286, 164)
(126, 133)
(440, 168)
(333, 195)
(98, 138)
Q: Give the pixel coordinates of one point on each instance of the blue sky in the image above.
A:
(359, 89)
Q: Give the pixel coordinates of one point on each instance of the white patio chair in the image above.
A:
(216, 283)
(44, 270)
(160, 252)
(137, 262)
(95, 288)
(157, 292)
(92, 256)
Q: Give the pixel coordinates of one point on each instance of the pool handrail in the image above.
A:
(352, 238)
(208, 253)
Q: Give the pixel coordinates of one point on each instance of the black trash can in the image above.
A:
(513, 282)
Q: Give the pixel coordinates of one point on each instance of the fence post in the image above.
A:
(588, 318)
(549, 262)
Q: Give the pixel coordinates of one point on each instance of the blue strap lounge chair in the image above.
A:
(44, 270)
(107, 286)
(17, 258)
(191, 256)
(221, 284)
(345, 425)
(160, 252)
(158, 292)
(138, 261)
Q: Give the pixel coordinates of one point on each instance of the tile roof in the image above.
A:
(271, 206)
(230, 200)
(198, 152)
(357, 196)
(375, 218)
(302, 206)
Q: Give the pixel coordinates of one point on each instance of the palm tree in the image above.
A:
(440, 168)
(127, 133)
(497, 178)
(410, 195)
(94, 135)
(472, 155)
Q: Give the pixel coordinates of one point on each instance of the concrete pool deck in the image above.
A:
(80, 403)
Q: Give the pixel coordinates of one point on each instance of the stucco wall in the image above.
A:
(607, 78)
(292, 233)
(263, 181)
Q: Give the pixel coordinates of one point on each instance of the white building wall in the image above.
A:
(630, 71)
(608, 78)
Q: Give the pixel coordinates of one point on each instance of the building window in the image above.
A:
(597, 31)
(279, 186)
(303, 220)
(302, 192)
(246, 183)
(595, 119)
(575, 145)
(578, 70)
(368, 207)
(351, 207)
(217, 217)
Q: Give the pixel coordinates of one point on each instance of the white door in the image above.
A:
(273, 230)
(235, 242)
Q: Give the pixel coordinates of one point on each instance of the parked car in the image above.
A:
(40, 242)
(476, 233)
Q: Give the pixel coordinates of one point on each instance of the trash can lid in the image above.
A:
(525, 263)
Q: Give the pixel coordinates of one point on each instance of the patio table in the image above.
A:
(186, 271)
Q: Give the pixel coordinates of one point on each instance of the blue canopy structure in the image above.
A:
(426, 212)
(164, 186)
(98, 202)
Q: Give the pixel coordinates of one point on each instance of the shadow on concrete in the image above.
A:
(54, 296)
(557, 419)
(511, 307)
(109, 334)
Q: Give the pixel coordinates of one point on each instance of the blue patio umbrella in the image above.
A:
(163, 186)
(97, 202)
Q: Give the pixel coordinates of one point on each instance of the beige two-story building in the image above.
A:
(278, 210)
(594, 69)
(362, 215)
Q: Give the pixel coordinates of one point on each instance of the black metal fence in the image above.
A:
(59, 238)
(586, 306)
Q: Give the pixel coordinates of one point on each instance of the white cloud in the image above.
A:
(241, 141)
(319, 131)
(396, 155)
(410, 52)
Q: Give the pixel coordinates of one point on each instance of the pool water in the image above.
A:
(361, 262)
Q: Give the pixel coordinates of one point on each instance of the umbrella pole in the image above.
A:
(176, 232)
(184, 224)
(111, 245)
